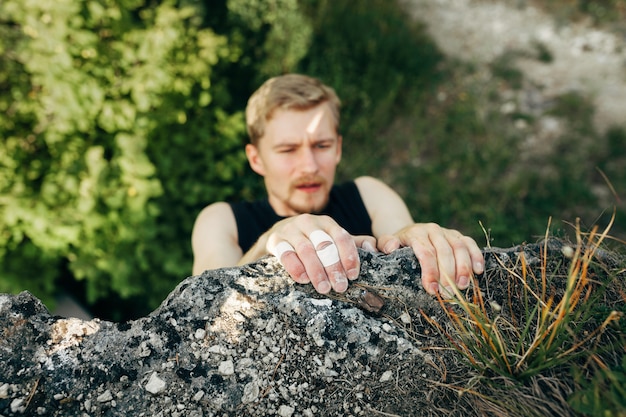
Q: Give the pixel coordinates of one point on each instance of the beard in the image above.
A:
(310, 206)
(308, 195)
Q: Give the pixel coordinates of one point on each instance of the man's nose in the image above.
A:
(308, 162)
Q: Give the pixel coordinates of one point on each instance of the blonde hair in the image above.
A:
(289, 92)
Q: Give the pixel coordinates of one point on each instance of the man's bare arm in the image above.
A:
(214, 239)
(386, 208)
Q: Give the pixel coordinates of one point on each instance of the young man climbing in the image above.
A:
(310, 224)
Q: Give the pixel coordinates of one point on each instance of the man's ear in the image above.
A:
(254, 159)
(339, 151)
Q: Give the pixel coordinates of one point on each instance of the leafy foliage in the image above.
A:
(115, 135)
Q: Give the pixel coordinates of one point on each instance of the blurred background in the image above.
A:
(121, 119)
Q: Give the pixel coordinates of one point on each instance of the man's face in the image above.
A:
(298, 156)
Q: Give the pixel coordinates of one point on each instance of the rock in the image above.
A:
(105, 397)
(286, 411)
(237, 340)
(226, 368)
(386, 376)
(243, 341)
(155, 384)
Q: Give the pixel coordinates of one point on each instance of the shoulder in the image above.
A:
(214, 238)
(215, 218)
(219, 209)
(376, 194)
(370, 186)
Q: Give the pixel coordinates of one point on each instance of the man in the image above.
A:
(311, 225)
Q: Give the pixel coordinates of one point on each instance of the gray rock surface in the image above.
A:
(248, 341)
(235, 341)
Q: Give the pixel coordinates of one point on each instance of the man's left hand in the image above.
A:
(447, 257)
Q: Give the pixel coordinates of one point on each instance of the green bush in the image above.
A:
(116, 132)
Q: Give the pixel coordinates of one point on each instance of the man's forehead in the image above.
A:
(289, 111)
(316, 120)
(290, 124)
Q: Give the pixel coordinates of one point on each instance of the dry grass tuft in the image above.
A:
(546, 341)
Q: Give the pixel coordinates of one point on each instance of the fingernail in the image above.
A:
(368, 247)
(479, 268)
(463, 282)
(353, 273)
(303, 279)
(388, 247)
(434, 288)
(341, 283)
(323, 287)
(447, 292)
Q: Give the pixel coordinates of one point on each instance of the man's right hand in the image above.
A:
(315, 249)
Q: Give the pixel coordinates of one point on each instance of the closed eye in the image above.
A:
(324, 145)
(286, 150)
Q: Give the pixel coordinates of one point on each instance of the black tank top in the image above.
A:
(345, 206)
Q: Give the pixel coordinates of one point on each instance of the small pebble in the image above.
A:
(567, 251)
(286, 411)
(17, 405)
(405, 318)
(105, 397)
(198, 396)
(226, 368)
(4, 391)
(155, 384)
(386, 376)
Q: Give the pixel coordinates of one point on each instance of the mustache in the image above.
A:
(309, 180)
